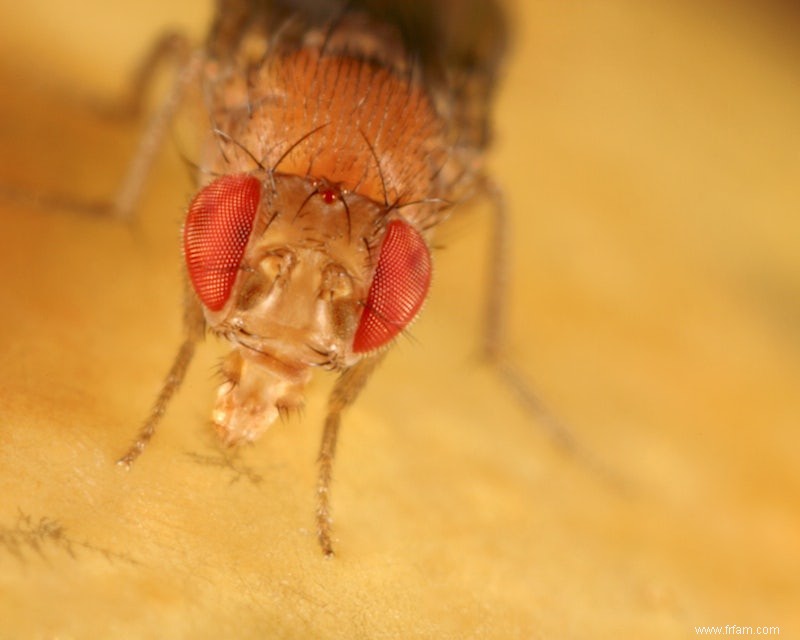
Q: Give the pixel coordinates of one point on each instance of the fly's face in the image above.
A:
(294, 293)
(297, 274)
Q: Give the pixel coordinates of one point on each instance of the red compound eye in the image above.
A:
(398, 288)
(215, 234)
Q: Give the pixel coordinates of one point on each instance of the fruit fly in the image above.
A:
(340, 135)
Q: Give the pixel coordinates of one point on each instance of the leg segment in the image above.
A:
(189, 65)
(194, 327)
(494, 338)
(123, 204)
(347, 388)
(494, 349)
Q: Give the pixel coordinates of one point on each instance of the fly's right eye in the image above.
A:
(398, 288)
(215, 234)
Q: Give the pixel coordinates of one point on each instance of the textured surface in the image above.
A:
(650, 156)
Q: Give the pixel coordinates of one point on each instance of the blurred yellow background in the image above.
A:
(650, 155)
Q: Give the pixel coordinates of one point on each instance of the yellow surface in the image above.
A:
(650, 152)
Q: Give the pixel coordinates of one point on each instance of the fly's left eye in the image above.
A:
(215, 234)
(399, 287)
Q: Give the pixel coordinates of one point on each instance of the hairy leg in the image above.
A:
(348, 386)
(495, 350)
(170, 48)
(189, 66)
(495, 321)
(193, 330)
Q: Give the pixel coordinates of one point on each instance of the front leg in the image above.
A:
(193, 331)
(348, 386)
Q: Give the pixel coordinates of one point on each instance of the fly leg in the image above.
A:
(171, 47)
(495, 320)
(348, 386)
(193, 330)
(494, 348)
